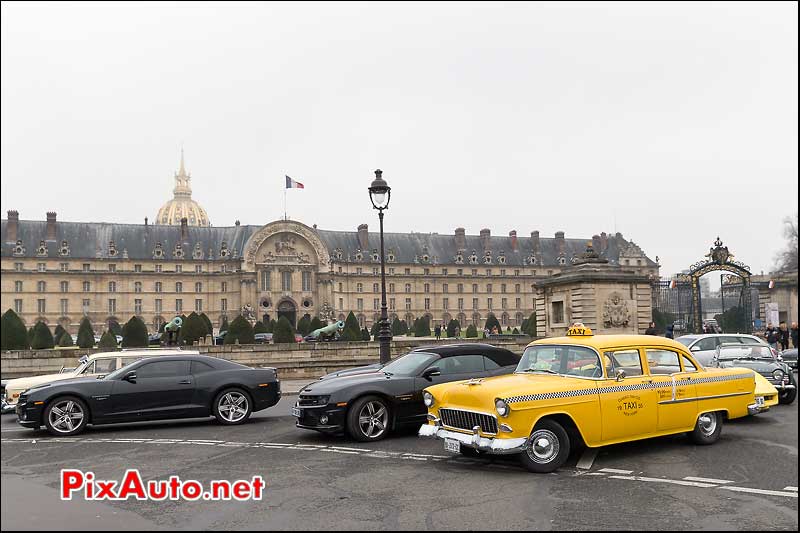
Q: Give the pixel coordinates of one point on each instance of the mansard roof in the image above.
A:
(88, 240)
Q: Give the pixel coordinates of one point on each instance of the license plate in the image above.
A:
(760, 401)
(452, 446)
(296, 412)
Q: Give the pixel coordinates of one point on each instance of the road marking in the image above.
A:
(762, 491)
(664, 480)
(708, 480)
(587, 459)
(615, 471)
(790, 488)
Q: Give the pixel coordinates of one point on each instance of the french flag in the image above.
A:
(292, 184)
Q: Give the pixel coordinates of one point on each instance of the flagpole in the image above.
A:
(284, 204)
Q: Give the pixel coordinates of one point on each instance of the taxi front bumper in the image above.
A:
(474, 440)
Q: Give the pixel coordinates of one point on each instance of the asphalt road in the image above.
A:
(746, 481)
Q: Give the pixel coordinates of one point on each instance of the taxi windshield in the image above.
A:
(563, 360)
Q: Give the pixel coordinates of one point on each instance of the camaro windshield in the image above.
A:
(409, 364)
(567, 360)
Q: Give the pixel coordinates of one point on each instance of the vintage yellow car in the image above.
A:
(598, 390)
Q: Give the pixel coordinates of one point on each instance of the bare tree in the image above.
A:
(786, 259)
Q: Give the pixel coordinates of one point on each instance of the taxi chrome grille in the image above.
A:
(458, 419)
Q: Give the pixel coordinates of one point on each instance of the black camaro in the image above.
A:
(371, 401)
(158, 388)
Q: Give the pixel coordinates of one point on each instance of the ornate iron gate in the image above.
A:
(679, 301)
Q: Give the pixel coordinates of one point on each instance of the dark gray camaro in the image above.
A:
(763, 360)
(369, 402)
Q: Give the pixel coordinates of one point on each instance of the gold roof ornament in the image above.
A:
(182, 205)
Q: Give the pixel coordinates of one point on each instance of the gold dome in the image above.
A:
(182, 205)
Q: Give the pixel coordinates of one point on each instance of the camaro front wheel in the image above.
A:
(368, 419)
(547, 447)
(66, 416)
(232, 407)
(707, 429)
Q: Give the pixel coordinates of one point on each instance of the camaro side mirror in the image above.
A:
(130, 377)
(431, 372)
(620, 374)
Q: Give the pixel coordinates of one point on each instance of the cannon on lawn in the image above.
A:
(328, 333)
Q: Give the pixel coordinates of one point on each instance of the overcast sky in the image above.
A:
(671, 123)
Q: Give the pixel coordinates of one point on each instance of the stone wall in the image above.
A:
(300, 361)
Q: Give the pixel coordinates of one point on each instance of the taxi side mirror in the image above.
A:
(620, 374)
(695, 348)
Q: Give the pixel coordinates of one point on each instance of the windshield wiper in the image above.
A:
(541, 370)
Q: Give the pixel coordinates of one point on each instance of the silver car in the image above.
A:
(703, 347)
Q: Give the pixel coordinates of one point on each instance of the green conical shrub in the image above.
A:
(472, 331)
(365, 334)
(422, 327)
(85, 334)
(192, 329)
(224, 326)
(283, 331)
(42, 338)
(530, 326)
(316, 323)
(260, 328)
(134, 334)
(57, 333)
(114, 327)
(492, 322)
(30, 336)
(452, 326)
(352, 331)
(403, 327)
(108, 340)
(240, 331)
(207, 322)
(66, 340)
(304, 325)
(13, 335)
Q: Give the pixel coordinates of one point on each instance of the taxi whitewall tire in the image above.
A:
(369, 419)
(707, 429)
(547, 447)
(232, 406)
(65, 416)
(788, 396)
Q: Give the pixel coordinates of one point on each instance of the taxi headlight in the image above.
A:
(501, 406)
(427, 397)
(778, 374)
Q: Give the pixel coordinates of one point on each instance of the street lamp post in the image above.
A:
(379, 194)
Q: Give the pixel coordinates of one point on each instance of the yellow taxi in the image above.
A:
(599, 390)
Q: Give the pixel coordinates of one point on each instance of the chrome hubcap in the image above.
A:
(543, 446)
(373, 419)
(707, 422)
(65, 416)
(233, 406)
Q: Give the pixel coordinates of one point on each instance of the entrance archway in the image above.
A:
(288, 309)
(679, 301)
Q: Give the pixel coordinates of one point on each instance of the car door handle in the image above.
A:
(185, 382)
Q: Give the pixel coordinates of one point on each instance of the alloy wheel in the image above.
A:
(373, 419)
(233, 406)
(65, 416)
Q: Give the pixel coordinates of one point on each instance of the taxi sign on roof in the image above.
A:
(579, 330)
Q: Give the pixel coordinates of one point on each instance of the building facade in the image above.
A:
(58, 272)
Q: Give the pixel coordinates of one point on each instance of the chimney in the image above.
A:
(619, 235)
(13, 226)
(485, 236)
(145, 221)
(51, 226)
(513, 236)
(184, 229)
(560, 242)
(597, 244)
(461, 239)
(363, 236)
(536, 245)
(237, 223)
(603, 242)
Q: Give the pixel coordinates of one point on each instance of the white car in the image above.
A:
(704, 346)
(98, 364)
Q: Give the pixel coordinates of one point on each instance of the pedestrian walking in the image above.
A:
(438, 331)
(670, 331)
(793, 335)
(771, 336)
(783, 336)
(651, 330)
